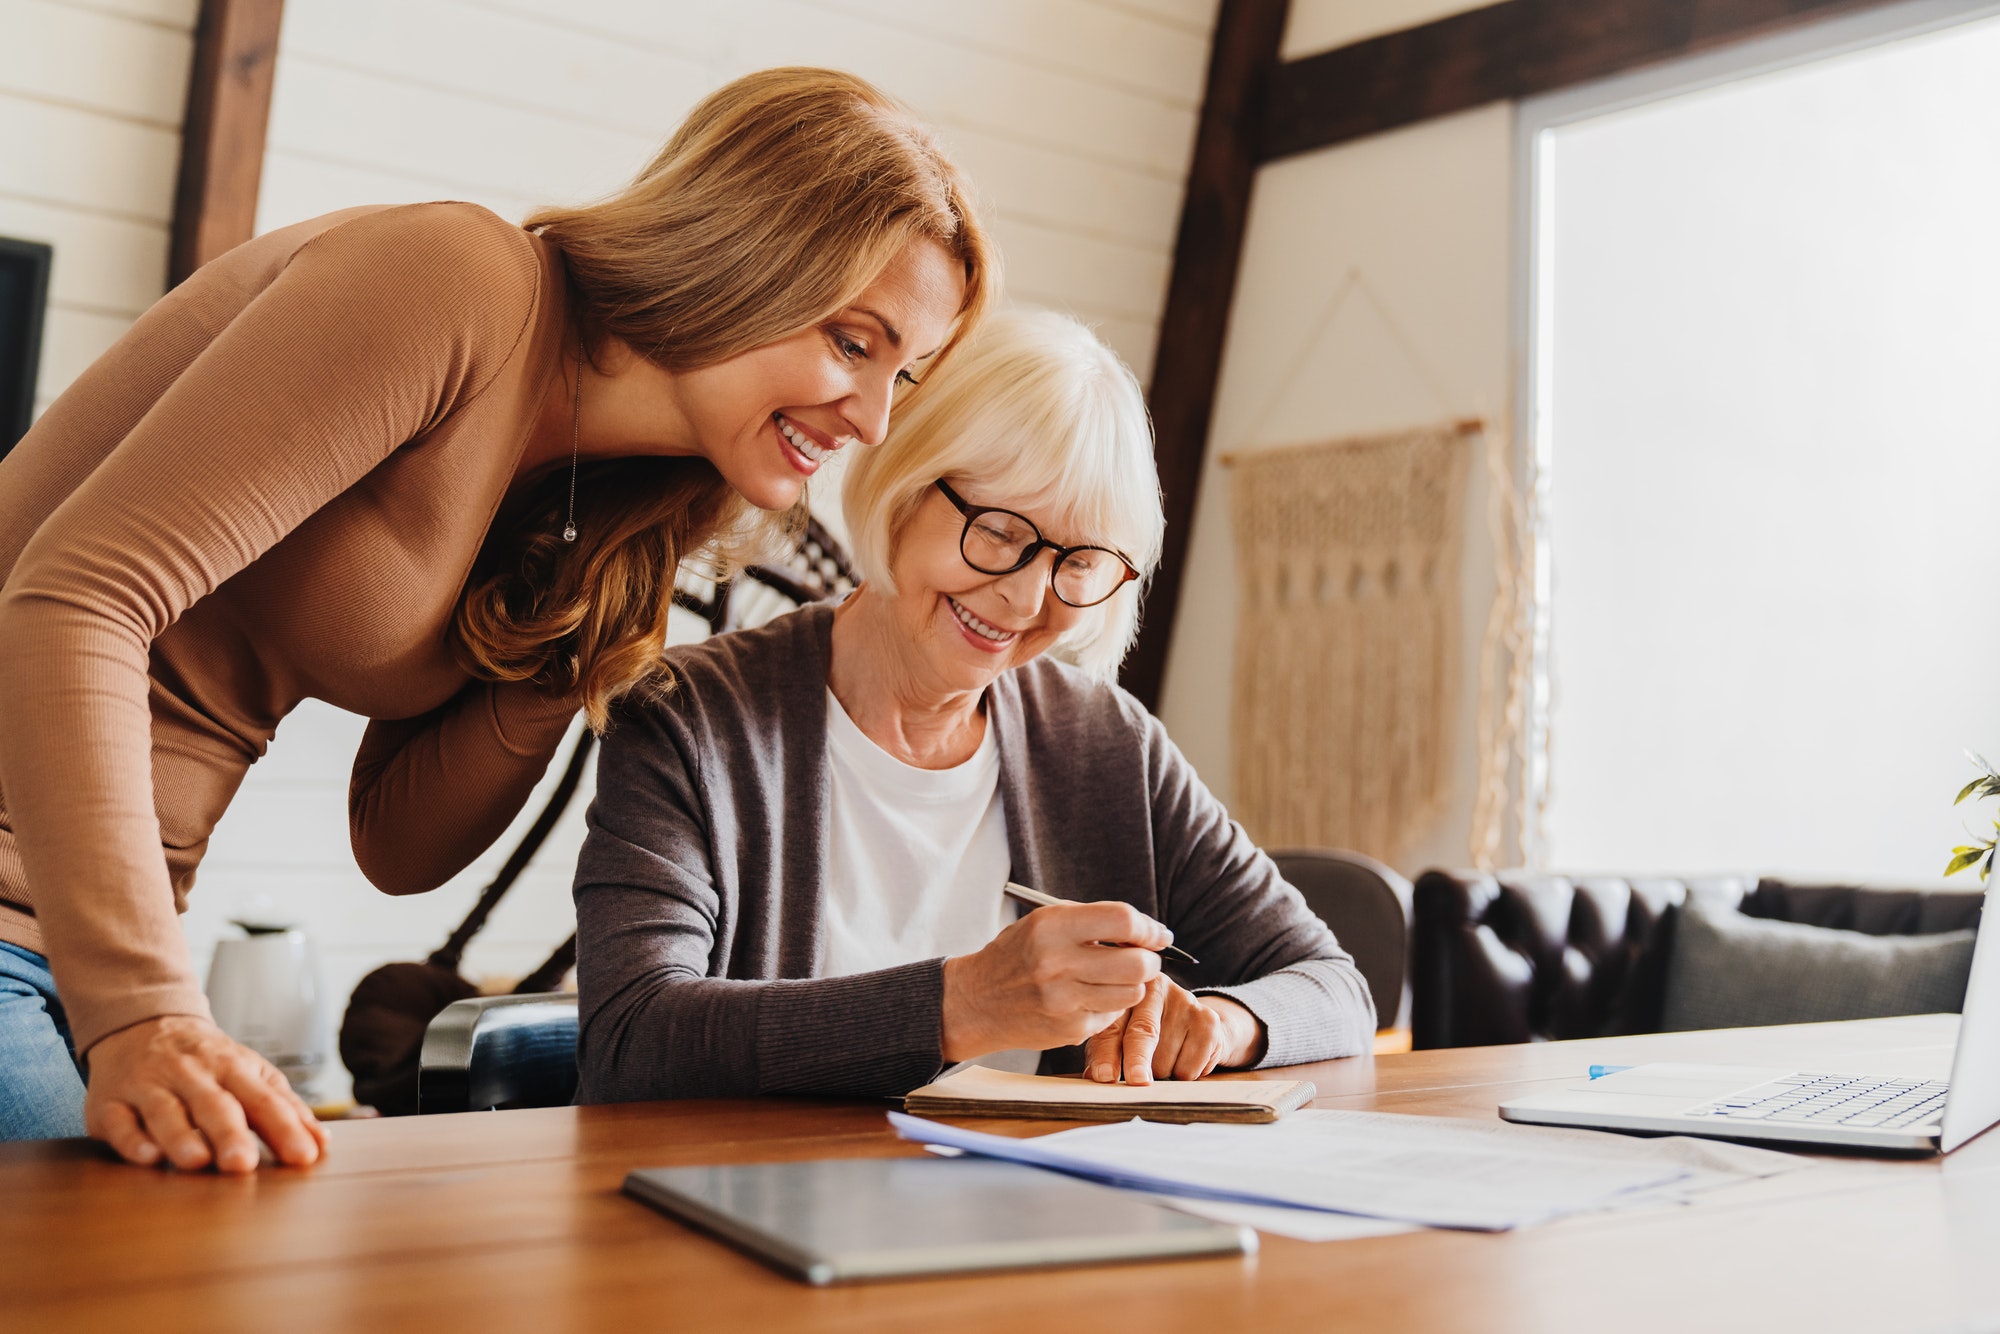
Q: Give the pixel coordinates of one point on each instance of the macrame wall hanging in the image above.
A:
(1347, 641)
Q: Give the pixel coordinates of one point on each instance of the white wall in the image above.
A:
(1424, 214)
(1313, 26)
(91, 97)
(1075, 119)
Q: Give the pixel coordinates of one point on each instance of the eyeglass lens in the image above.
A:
(996, 542)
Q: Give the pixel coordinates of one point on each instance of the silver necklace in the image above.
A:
(575, 442)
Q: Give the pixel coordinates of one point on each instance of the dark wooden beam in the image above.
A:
(1206, 251)
(1511, 50)
(222, 136)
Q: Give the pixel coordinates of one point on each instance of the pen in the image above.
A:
(1041, 900)
(1600, 1071)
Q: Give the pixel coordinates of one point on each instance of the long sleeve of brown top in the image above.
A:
(272, 488)
(407, 768)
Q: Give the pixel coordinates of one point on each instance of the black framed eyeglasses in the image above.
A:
(997, 541)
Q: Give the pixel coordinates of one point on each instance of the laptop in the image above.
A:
(1818, 1108)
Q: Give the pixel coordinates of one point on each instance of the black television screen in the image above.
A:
(24, 293)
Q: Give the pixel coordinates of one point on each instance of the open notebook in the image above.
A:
(978, 1091)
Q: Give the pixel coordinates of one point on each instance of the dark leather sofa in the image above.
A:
(1521, 956)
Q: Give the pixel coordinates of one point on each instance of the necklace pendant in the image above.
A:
(569, 532)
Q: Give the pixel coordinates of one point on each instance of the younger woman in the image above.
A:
(435, 469)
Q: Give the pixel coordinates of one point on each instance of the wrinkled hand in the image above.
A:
(179, 1087)
(1046, 982)
(1173, 1034)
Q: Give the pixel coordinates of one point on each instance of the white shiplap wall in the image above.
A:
(1075, 117)
(91, 96)
(1312, 26)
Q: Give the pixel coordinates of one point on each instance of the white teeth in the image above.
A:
(977, 626)
(803, 443)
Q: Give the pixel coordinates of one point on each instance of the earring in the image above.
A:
(575, 443)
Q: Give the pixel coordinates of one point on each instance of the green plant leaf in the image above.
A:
(1962, 858)
(1967, 791)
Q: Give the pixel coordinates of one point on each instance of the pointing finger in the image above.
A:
(1142, 1033)
(1100, 1053)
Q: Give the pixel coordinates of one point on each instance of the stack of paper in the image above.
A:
(1434, 1171)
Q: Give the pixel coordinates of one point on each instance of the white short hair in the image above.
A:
(1035, 413)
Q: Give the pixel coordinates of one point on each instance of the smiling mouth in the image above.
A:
(805, 444)
(984, 629)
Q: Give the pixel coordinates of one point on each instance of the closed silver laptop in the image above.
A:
(1835, 1109)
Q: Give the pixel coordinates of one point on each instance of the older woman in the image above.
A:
(792, 881)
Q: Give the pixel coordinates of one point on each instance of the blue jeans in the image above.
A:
(41, 1090)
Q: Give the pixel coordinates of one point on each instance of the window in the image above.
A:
(1765, 396)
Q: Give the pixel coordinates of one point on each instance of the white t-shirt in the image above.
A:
(917, 856)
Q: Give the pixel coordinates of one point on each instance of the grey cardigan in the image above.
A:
(699, 887)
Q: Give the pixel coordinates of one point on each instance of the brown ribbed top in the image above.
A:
(270, 489)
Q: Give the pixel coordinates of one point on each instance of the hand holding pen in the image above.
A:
(1171, 1033)
(1048, 980)
(1041, 900)
(1091, 972)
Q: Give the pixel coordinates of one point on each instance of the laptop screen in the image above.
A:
(1974, 1101)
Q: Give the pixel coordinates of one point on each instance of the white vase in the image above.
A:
(265, 990)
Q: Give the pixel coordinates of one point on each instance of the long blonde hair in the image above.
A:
(780, 198)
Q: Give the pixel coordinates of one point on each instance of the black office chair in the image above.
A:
(1367, 906)
(488, 1052)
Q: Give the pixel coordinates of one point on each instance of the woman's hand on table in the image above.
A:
(1173, 1034)
(180, 1089)
(1046, 981)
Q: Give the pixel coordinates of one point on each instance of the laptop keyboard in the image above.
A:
(1864, 1101)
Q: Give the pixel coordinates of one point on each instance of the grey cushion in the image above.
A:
(1732, 971)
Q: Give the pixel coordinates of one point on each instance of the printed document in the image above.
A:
(1434, 1171)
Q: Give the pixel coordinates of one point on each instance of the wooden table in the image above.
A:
(513, 1221)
